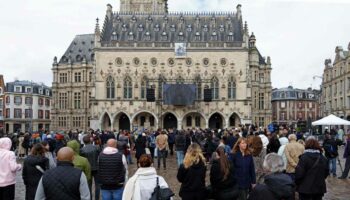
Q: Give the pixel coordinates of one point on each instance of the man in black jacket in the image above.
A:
(64, 181)
(113, 171)
(180, 145)
(91, 152)
(331, 152)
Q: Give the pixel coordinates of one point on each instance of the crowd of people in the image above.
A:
(243, 163)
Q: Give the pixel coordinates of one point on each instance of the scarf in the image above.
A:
(132, 188)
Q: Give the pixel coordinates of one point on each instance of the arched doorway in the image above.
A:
(193, 119)
(106, 122)
(215, 121)
(121, 122)
(234, 120)
(144, 120)
(169, 121)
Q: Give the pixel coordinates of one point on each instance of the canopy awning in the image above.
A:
(331, 120)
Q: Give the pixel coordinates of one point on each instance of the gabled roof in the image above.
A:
(81, 47)
(177, 27)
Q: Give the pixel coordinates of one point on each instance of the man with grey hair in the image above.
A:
(276, 184)
(292, 151)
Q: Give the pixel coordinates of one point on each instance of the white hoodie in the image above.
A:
(142, 184)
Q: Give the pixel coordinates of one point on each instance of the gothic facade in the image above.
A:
(145, 46)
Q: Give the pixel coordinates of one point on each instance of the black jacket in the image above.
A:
(331, 148)
(111, 171)
(192, 179)
(91, 152)
(311, 172)
(180, 142)
(276, 187)
(31, 175)
(223, 189)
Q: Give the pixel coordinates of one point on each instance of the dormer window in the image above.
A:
(181, 36)
(149, 19)
(197, 36)
(222, 28)
(124, 27)
(214, 36)
(205, 28)
(189, 28)
(164, 36)
(40, 91)
(172, 28)
(47, 92)
(18, 89)
(131, 36)
(140, 28)
(114, 36)
(230, 36)
(28, 90)
(133, 19)
(147, 36)
(156, 28)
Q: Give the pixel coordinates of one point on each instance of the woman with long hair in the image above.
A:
(222, 177)
(258, 152)
(311, 171)
(244, 167)
(191, 174)
(32, 169)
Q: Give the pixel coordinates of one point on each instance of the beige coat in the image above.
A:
(21, 150)
(293, 150)
(162, 142)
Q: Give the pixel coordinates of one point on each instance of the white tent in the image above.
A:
(331, 120)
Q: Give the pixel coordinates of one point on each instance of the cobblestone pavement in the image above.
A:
(337, 189)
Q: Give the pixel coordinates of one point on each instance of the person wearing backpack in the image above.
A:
(151, 139)
(331, 152)
(171, 141)
(180, 147)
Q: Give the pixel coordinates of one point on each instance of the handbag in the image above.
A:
(161, 193)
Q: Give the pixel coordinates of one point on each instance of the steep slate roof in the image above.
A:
(81, 47)
(173, 25)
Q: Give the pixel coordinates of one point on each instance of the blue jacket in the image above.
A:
(244, 170)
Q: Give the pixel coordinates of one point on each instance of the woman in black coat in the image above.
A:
(311, 172)
(31, 174)
(222, 177)
(191, 174)
(140, 146)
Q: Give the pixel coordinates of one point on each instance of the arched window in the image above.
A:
(144, 86)
(127, 88)
(231, 88)
(198, 83)
(110, 88)
(161, 81)
(214, 83)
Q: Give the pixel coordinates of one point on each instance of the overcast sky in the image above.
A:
(298, 34)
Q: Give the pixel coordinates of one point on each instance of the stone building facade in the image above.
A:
(291, 105)
(336, 84)
(2, 105)
(27, 106)
(144, 46)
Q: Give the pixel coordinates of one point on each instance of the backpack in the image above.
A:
(152, 141)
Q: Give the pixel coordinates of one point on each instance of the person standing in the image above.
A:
(9, 167)
(171, 141)
(244, 167)
(49, 155)
(222, 177)
(311, 172)
(347, 157)
(79, 161)
(31, 174)
(277, 185)
(292, 151)
(180, 147)
(91, 152)
(140, 146)
(113, 171)
(21, 145)
(255, 146)
(162, 146)
(142, 184)
(64, 181)
(191, 174)
(331, 152)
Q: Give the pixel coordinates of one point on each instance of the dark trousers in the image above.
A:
(94, 176)
(162, 155)
(310, 196)
(7, 192)
(346, 168)
(151, 149)
(171, 147)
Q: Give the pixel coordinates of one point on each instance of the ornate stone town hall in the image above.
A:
(102, 79)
